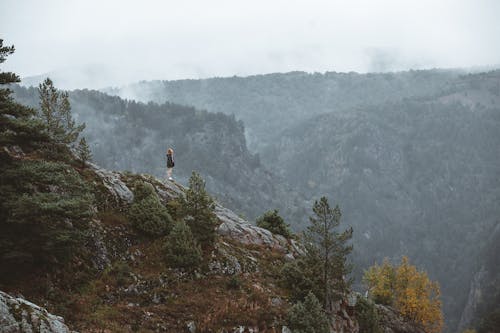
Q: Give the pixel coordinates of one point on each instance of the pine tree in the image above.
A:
(327, 252)
(17, 123)
(45, 205)
(273, 222)
(308, 316)
(199, 213)
(181, 250)
(55, 111)
(147, 213)
(83, 151)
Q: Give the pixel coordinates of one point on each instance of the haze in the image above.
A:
(116, 42)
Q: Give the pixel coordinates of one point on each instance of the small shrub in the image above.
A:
(174, 208)
(143, 190)
(308, 317)
(121, 272)
(181, 250)
(274, 223)
(234, 283)
(147, 213)
(367, 316)
(198, 208)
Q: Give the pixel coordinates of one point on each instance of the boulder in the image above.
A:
(112, 181)
(17, 315)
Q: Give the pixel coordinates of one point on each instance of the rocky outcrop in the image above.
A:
(113, 182)
(20, 316)
(392, 322)
(231, 225)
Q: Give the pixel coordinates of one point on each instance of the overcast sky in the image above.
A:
(142, 40)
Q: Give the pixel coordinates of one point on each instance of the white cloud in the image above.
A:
(180, 39)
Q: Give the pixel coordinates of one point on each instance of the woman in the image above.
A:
(170, 163)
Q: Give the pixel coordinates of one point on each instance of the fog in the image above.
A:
(95, 43)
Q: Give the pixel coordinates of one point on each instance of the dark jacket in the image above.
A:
(170, 161)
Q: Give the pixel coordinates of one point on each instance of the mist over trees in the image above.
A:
(412, 158)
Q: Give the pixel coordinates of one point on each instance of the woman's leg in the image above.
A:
(169, 172)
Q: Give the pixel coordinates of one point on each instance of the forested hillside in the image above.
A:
(271, 102)
(127, 135)
(412, 157)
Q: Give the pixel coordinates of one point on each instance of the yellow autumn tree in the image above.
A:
(408, 290)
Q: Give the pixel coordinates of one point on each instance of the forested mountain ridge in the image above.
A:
(133, 136)
(413, 154)
(270, 102)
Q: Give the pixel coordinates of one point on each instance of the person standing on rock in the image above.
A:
(170, 163)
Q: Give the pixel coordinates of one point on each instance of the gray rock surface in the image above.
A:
(238, 229)
(112, 181)
(20, 316)
(392, 322)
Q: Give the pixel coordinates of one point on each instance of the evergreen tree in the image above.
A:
(55, 111)
(147, 213)
(83, 151)
(17, 123)
(367, 316)
(199, 211)
(181, 250)
(308, 316)
(45, 206)
(273, 222)
(327, 252)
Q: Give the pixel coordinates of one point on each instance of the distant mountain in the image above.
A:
(413, 158)
(269, 103)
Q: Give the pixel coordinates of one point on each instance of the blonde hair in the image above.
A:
(170, 151)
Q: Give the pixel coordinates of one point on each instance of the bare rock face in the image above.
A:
(20, 316)
(231, 225)
(234, 227)
(112, 181)
(392, 322)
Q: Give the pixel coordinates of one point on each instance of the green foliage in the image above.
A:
(367, 316)
(55, 112)
(273, 222)
(45, 210)
(308, 317)
(45, 206)
(234, 283)
(296, 278)
(181, 250)
(7, 77)
(121, 272)
(83, 151)
(408, 290)
(323, 269)
(147, 213)
(327, 251)
(198, 209)
(174, 207)
(143, 190)
(17, 123)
